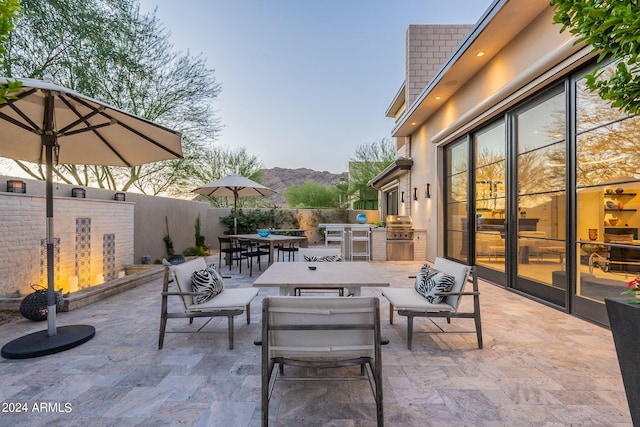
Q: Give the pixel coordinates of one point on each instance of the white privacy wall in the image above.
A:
(80, 226)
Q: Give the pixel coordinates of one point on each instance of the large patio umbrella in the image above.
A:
(48, 123)
(236, 186)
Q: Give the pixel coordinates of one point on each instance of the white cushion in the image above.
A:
(410, 299)
(236, 298)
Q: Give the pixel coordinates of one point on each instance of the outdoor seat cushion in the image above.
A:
(410, 299)
(236, 298)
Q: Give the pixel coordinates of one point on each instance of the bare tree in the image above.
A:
(108, 50)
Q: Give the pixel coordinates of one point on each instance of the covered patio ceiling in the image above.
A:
(502, 21)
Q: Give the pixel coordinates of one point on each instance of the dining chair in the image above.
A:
(290, 249)
(251, 250)
(228, 247)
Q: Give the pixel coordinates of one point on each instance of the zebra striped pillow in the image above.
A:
(208, 282)
(325, 258)
(429, 282)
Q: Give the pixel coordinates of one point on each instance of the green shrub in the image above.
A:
(195, 251)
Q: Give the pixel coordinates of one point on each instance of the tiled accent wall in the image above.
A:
(428, 46)
(109, 256)
(23, 253)
(83, 252)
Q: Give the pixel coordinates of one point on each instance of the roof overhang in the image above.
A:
(397, 103)
(399, 167)
(501, 22)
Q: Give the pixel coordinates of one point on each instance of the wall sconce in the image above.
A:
(120, 197)
(427, 191)
(80, 193)
(402, 197)
(415, 193)
(14, 186)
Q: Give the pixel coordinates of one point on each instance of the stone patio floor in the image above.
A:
(539, 367)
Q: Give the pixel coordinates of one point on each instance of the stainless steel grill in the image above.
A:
(399, 227)
(399, 238)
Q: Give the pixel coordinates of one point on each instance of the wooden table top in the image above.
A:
(270, 238)
(326, 274)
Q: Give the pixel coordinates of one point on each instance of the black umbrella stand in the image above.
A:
(54, 339)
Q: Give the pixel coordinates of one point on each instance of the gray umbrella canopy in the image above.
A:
(234, 186)
(81, 130)
(49, 123)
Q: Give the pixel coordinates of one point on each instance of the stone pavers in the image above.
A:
(539, 367)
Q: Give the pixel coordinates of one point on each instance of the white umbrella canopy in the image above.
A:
(234, 186)
(48, 123)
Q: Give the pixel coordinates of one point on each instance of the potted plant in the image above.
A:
(624, 318)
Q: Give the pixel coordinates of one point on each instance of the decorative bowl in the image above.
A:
(312, 267)
(611, 205)
(613, 222)
(263, 232)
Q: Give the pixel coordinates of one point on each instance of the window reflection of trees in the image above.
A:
(490, 180)
(541, 147)
(458, 168)
(608, 140)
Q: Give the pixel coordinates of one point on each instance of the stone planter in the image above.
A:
(624, 319)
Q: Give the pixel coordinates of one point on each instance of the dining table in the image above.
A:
(271, 239)
(289, 276)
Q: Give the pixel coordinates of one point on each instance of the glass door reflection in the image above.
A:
(490, 200)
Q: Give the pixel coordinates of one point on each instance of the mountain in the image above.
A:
(279, 179)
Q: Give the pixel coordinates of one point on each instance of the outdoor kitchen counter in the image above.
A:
(379, 244)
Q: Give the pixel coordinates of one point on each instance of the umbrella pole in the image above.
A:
(235, 212)
(49, 140)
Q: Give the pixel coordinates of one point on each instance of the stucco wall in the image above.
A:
(520, 68)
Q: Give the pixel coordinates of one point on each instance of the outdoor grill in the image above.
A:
(399, 227)
(399, 238)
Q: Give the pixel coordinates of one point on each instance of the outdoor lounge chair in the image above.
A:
(229, 303)
(320, 333)
(410, 303)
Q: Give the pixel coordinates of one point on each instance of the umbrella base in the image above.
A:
(41, 344)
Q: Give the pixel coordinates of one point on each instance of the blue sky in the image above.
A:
(304, 82)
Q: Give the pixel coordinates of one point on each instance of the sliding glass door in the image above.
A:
(457, 196)
(490, 202)
(540, 203)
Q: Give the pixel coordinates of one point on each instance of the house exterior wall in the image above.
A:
(531, 54)
(527, 58)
